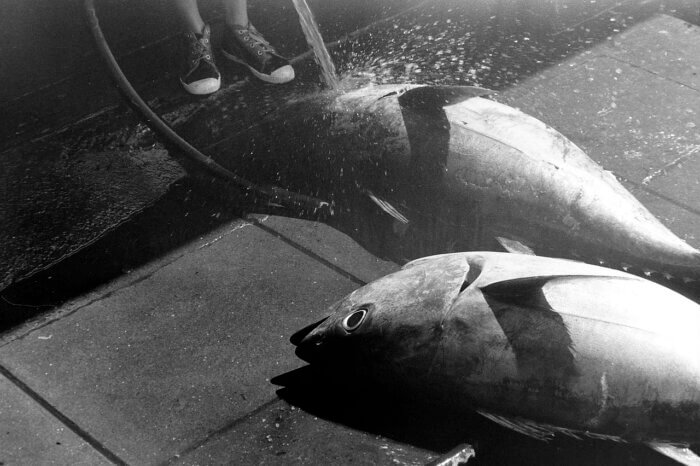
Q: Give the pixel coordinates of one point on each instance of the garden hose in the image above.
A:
(273, 194)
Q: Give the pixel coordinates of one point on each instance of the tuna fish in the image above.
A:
(451, 171)
(544, 346)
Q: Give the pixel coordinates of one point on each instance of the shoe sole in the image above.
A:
(202, 87)
(263, 77)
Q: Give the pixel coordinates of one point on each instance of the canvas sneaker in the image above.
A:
(245, 45)
(200, 75)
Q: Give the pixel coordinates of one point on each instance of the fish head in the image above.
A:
(390, 326)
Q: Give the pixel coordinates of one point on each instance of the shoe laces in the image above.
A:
(200, 49)
(256, 40)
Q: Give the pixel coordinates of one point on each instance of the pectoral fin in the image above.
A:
(545, 432)
(437, 97)
(679, 453)
(388, 208)
(519, 290)
(528, 289)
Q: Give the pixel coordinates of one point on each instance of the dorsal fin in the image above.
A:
(436, 97)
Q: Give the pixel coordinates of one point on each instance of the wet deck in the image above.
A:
(176, 309)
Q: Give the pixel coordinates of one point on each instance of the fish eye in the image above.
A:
(354, 320)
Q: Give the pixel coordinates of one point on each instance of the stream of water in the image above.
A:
(315, 41)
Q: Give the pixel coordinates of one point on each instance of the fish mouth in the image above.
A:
(307, 342)
(300, 335)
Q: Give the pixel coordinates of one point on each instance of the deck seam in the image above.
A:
(650, 71)
(107, 292)
(220, 431)
(308, 252)
(62, 418)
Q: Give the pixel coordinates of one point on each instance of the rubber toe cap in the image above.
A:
(203, 86)
(283, 74)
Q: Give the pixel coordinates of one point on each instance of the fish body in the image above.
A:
(419, 170)
(554, 341)
(525, 166)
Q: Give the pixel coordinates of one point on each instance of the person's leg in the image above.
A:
(199, 75)
(245, 45)
(189, 15)
(236, 12)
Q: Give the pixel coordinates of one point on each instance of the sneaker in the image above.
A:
(200, 76)
(245, 45)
